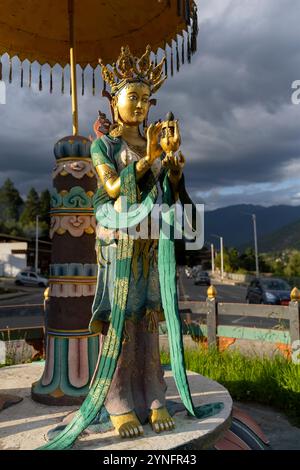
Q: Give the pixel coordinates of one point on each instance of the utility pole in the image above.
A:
(255, 242)
(222, 258)
(37, 244)
(212, 259)
(255, 245)
(222, 253)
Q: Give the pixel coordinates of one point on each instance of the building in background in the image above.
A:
(18, 253)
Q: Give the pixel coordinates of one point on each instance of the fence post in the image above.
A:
(294, 315)
(212, 316)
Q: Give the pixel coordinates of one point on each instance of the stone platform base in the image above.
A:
(25, 425)
(8, 400)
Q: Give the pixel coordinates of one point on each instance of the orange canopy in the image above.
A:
(39, 30)
(82, 31)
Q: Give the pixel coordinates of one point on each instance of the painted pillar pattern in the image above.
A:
(71, 352)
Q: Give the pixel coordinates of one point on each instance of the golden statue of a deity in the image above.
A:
(136, 283)
(137, 392)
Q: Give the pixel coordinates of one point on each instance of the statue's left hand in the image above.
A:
(175, 166)
(175, 163)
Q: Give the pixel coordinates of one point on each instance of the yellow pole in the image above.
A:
(73, 67)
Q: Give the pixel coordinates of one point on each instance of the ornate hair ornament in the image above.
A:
(130, 69)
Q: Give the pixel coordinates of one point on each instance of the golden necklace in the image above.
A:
(140, 150)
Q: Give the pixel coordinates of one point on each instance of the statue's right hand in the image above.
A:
(154, 149)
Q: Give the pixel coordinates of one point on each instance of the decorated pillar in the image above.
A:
(71, 351)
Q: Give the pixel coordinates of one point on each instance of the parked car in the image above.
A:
(268, 291)
(202, 278)
(29, 278)
(196, 270)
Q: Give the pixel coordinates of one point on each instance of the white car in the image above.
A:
(29, 278)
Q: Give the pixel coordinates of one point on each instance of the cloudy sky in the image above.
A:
(240, 130)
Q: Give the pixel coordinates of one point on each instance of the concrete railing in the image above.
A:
(244, 278)
(202, 319)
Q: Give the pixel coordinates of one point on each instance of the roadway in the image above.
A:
(225, 293)
(25, 311)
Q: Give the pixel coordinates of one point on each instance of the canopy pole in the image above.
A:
(73, 66)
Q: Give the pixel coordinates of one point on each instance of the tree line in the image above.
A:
(283, 264)
(18, 216)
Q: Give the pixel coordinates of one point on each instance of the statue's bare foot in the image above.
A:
(127, 425)
(160, 420)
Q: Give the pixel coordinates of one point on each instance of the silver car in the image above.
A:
(29, 278)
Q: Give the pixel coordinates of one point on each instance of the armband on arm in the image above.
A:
(142, 166)
(110, 180)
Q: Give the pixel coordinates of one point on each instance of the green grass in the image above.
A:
(270, 381)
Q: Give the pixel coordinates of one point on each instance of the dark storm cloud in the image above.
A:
(239, 128)
(239, 123)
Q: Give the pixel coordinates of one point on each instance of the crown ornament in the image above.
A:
(129, 69)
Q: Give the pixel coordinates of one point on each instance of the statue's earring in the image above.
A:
(116, 114)
(145, 124)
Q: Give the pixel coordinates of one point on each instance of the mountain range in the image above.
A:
(278, 227)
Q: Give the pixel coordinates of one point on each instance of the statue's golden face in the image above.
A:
(133, 103)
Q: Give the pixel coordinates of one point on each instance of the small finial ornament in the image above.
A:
(295, 295)
(47, 293)
(211, 292)
(170, 116)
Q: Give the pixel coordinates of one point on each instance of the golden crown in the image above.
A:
(132, 69)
